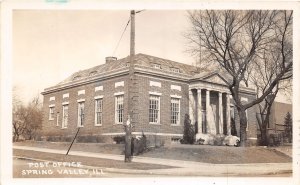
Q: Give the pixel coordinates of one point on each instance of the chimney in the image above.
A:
(110, 59)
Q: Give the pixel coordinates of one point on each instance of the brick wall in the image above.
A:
(108, 126)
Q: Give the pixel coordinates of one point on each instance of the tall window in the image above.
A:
(65, 116)
(175, 111)
(119, 108)
(98, 111)
(51, 113)
(154, 109)
(80, 114)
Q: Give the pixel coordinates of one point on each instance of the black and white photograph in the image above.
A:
(198, 91)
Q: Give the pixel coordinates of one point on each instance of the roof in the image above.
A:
(140, 60)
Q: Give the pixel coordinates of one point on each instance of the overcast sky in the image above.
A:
(50, 45)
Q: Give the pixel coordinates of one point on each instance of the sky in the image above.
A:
(50, 45)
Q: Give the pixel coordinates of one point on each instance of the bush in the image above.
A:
(119, 139)
(189, 132)
(139, 144)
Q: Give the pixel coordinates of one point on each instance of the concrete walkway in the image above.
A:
(182, 167)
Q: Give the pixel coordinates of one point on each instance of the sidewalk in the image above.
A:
(183, 168)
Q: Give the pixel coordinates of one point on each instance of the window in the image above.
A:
(93, 73)
(154, 109)
(98, 111)
(175, 111)
(156, 66)
(65, 116)
(80, 114)
(77, 77)
(176, 70)
(57, 119)
(119, 109)
(51, 113)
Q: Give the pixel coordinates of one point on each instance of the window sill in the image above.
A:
(175, 125)
(79, 126)
(98, 125)
(51, 119)
(118, 123)
(154, 123)
(64, 128)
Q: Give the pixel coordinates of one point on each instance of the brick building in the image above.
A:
(278, 113)
(96, 101)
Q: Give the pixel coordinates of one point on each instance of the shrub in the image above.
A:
(189, 132)
(119, 139)
(139, 144)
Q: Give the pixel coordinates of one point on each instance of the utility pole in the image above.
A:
(132, 93)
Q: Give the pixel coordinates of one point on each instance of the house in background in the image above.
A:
(95, 100)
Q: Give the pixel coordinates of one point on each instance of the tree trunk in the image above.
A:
(243, 126)
(264, 137)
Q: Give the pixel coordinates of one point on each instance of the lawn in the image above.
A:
(88, 161)
(219, 154)
(199, 153)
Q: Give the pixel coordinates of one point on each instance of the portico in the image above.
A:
(209, 108)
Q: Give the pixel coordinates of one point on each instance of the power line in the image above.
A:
(124, 31)
(121, 37)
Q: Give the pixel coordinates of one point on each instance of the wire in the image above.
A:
(124, 31)
(121, 37)
(139, 11)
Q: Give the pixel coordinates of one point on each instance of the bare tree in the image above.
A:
(27, 119)
(239, 42)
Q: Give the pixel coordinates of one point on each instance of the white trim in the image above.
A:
(253, 138)
(80, 100)
(244, 99)
(113, 134)
(66, 95)
(52, 98)
(57, 119)
(118, 93)
(119, 84)
(155, 84)
(179, 111)
(115, 111)
(140, 133)
(154, 123)
(79, 123)
(159, 111)
(65, 103)
(175, 96)
(64, 123)
(155, 93)
(95, 112)
(81, 92)
(52, 105)
(99, 88)
(176, 87)
(98, 97)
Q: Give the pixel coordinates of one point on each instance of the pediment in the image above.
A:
(215, 78)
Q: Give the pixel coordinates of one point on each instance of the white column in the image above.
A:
(207, 124)
(191, 106)
(220, 114)
(228, 114)
(199, 113)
